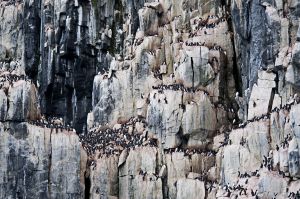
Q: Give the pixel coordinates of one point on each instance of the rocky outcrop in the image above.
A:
(149, 99)
(38, 162)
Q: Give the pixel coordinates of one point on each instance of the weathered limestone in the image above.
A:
(262, 95)
(104, 178)
(112, 98)
(39, 163)
(22, 99)
(296, 53)
(178, 167)
(199, 120)
(132, 183)
(65, 165)
(11, 37)
(245, 157)
(277, 128)
(187, 188)
(293, 155)
(171, 65)
(3, 53)
(141, 187)
(149, 19)
(194, 69)
(3, 105)
(269, 185)
(294, 120)
(164, 119)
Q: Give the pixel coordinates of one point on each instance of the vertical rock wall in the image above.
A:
(149, 99)
(39, 163)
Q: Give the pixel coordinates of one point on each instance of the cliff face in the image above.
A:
(149, 99)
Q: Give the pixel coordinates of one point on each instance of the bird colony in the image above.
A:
(153, 99)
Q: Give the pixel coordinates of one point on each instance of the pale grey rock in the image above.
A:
(12, 39)
(284, 159)
(239, 158)
(148, 20)
(277, 121)
(266, 83)
(194, 69)
(178, 167)
(231, 168)
(272, 15)
(294, 186)
(104, 178)
(290, 74)
(83, 170)
(123, 157)
(142, 158)
(193, 175)
(140, 187)
(199, 120)
(23, 100)
(184, 73)
(112, 98)
(3, 53)
(61, 45)
(164, 119)
(269, 185)
(34, 159)
(260, 100)
(296, 55)
(294, 120)
(258, 139)
(293, 153)
(11, 147)
(188, 188)
(296, 50)
(261, 97)
(263, 75)
(281, 56)
(3, 105)
(201, 163)
(65, 166)
(217, 141)
(131, 184)
(276, 102)
(284, 32)
(12, 65)
(163, 171)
